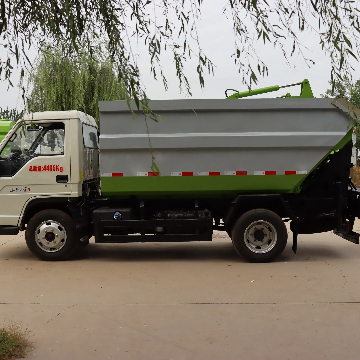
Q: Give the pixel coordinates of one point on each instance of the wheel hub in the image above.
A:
(50, 236)
(260, 236)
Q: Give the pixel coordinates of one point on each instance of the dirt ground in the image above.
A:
(186, 301)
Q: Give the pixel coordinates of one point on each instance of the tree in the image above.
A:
(13, 114)
(171, 25)
(347, 89)
(60, 81)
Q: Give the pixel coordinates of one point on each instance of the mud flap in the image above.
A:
(295, 234)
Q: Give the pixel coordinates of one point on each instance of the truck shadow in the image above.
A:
(316, 253)
(195, 251)
(159, 252)
(199, 252)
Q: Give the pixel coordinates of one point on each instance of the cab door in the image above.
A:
(34, 163)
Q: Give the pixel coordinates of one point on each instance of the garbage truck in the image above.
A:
(5, 126)
(239, 165)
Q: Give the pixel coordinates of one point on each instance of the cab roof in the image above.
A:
(61, 115)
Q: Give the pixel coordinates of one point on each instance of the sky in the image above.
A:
(217, 41)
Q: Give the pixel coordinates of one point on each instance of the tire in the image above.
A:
(51, 235)
(250, 234)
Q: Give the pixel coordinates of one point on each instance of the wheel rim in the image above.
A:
(50, 236)
(260, 237)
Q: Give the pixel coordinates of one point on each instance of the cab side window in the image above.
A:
(90, 137)
(52, 143)
(29, 141)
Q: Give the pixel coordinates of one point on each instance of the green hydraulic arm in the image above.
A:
(306, 91)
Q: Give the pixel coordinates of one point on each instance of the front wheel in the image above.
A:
(51, 235)
(259, 235)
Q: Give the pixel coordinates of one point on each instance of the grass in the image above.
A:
(14, 342)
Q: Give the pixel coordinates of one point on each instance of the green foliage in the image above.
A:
(349, 90)
(13, 114)
(171, 26)
(14, 342)
(77, 81)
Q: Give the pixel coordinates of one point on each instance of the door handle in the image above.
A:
(62, 178)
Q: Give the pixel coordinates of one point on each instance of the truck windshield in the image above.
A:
(29, 141)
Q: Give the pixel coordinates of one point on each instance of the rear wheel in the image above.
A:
(51, 235)
(259, 235)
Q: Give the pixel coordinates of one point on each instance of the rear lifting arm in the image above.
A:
(345, 219)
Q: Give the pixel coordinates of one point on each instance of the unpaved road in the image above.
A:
(186, 301)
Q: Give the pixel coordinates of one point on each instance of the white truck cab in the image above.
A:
(46, 158)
